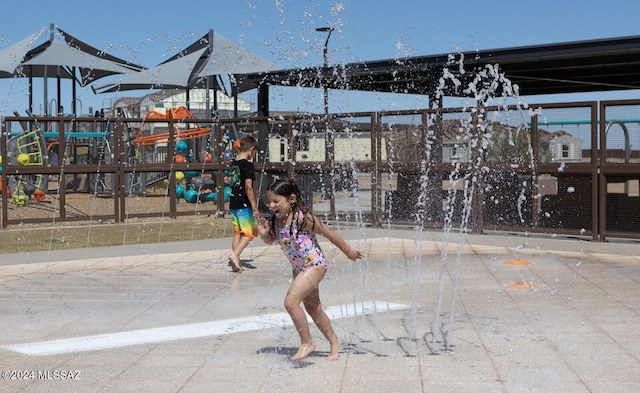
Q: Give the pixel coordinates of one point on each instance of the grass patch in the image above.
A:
(103, 235)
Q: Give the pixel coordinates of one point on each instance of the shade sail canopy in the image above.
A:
(168, 75)
(59, 58)
(229, 58)
(211, 55)
(67, 58)
(11, 57)
(91, 74)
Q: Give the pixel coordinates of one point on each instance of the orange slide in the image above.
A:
(179, 113)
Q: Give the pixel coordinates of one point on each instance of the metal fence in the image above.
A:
(565, 169)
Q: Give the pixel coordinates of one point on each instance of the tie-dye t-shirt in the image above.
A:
(300, 247)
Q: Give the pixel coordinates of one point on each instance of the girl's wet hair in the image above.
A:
(287, 187)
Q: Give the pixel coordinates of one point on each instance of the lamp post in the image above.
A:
(328, 132)
(325, 64)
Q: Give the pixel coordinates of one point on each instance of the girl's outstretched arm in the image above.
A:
(316, 225)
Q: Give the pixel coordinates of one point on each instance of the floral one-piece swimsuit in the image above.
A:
(300, 247)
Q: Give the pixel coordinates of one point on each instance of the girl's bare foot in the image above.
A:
(333, 351)
(304, 351)
(236, 262)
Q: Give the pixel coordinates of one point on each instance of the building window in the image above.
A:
(454, 153)
(303, 143)
(565, 151)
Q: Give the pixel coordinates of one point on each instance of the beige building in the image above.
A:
(163, 100)
(311, 148)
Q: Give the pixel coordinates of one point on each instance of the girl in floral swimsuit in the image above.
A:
(300, 247)
(294, 227)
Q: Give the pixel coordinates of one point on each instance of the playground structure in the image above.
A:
(26, 149)
(93, 145)
(183, 131)
(195, 186)
(193, 144)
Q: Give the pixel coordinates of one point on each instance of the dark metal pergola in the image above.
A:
(569, 67)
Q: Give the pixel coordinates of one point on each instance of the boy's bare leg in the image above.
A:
(235, 241)
(238, 246)
(235, 261)
(303, 285)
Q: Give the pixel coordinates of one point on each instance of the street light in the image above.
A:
(325, 56)
(328, 137)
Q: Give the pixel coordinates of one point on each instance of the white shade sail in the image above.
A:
(12, 56)
(210, 56)
(229, 58)
(48, 58)
(173, 74)
(67, 58)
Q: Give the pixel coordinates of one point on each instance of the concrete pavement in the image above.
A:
(423, 313)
